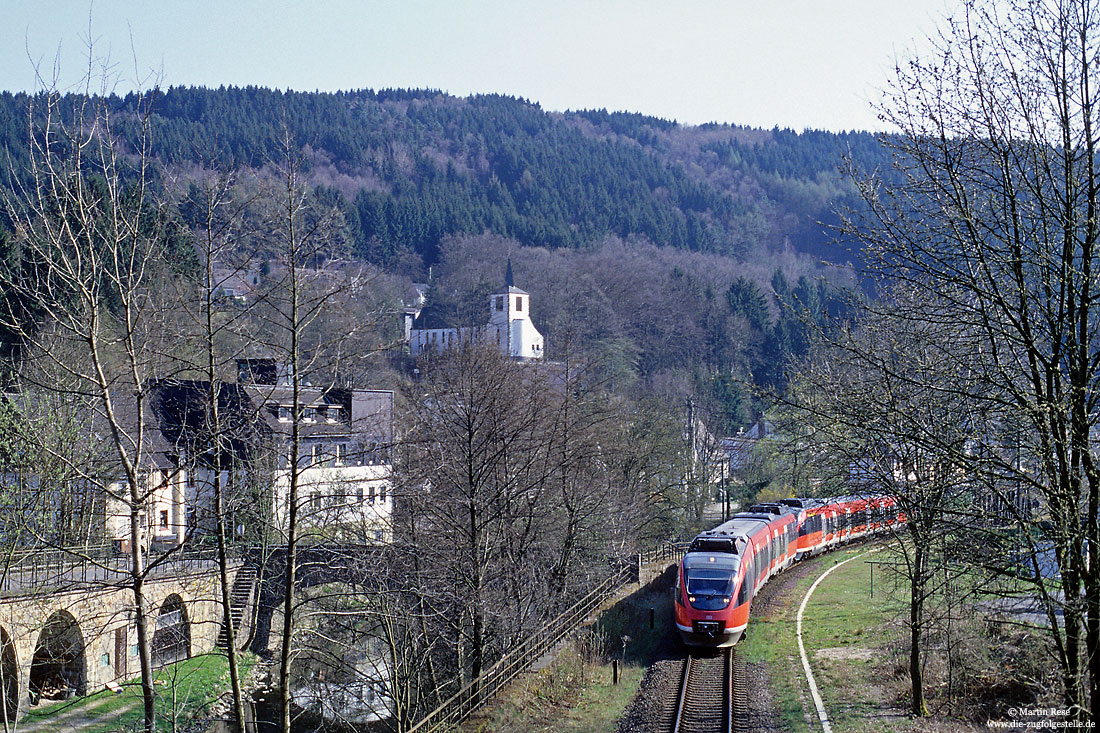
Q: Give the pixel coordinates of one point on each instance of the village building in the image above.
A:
(509, 327)
(344, 466)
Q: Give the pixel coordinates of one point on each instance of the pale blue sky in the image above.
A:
(792, 63)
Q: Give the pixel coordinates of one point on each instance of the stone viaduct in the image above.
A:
(73, 633)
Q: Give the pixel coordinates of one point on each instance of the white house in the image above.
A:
(343, 470)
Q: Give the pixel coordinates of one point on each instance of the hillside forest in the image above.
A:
(681, 256)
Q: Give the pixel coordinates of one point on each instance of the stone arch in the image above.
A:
(9, 679)
(58, 667)
(172, 637)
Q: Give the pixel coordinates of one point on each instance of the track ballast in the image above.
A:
(707, 692)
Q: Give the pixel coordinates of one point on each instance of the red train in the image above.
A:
(724, 567)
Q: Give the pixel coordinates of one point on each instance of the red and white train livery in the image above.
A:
(724, 567)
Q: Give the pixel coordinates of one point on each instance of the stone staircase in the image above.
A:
(241, 602)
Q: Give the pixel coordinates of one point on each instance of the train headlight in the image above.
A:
(691, 598)
(725, 600)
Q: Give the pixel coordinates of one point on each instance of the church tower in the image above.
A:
(510, 321)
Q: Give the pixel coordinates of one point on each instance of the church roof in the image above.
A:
(511, 290)
(431, 317)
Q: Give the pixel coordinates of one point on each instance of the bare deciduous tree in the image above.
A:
(91, 241)
(990, 213)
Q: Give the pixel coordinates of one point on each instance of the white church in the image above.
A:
(509, 327)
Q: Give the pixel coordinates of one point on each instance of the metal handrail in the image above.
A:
(519, 659)
(79, 566)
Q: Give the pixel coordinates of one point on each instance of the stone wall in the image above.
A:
(104, 640)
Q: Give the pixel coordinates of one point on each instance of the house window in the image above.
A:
(359, 493)
(381, 492)
(311, 414)
(284, 414)
(190, 479)
(500, 302)
(370, 493)
(341, 453)
(315, 454)
(164, 518)
(519, 303)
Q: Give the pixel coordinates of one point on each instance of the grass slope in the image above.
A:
(185, 690)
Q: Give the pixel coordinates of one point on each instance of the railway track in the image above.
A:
(709, 693)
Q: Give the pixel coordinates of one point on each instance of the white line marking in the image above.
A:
(825, 726)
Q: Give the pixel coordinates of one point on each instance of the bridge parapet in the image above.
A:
(32, 572)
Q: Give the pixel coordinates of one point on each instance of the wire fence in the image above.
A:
(520, 659)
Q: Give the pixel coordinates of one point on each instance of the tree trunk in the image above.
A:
(916, 624)
(141, 622)
(227, 615)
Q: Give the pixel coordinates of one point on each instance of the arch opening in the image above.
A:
(172, 637)
(58, 669)
(9, 679)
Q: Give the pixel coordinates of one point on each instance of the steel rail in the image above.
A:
(695, 707)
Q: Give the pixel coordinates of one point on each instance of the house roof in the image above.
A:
(366, 412)
(184, 421)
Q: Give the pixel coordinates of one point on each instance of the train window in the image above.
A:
(709, 589)
(748, 582)
(705, 580)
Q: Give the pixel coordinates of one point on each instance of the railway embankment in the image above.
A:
(621, 676)
(594, 678)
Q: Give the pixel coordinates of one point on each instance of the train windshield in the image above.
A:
(709, 589)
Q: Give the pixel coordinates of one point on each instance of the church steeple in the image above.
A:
(508, 281)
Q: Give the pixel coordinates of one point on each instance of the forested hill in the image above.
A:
(410, 167)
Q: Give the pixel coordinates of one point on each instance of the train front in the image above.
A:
(707, 613)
